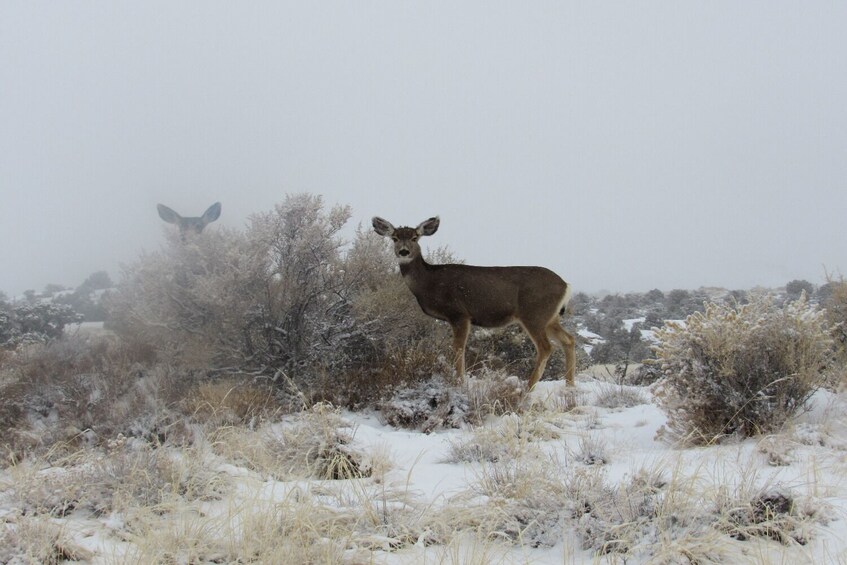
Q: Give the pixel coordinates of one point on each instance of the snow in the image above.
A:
(590, 340)
(817, 440)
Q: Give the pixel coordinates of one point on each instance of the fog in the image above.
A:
(627, 146)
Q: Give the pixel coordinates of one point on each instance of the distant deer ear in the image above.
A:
(212, 214)
(167, 214)
(382, 227)
(429, 227)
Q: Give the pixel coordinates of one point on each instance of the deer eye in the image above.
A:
(414, 238)
(395, 238)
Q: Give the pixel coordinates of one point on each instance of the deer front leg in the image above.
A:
(461, 330)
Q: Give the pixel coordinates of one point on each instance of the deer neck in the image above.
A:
(415, 272)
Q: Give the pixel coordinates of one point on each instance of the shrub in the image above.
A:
(394, 367)
(426, 406)
(231, 401)
(194, 302)
(57, 396)
(272, 297)
(36, 322)
(835, 302)
(286, 295)
(740, 369)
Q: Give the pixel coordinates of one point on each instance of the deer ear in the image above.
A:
(212, 214)
(382, 227)
(428, 227)
(167, 214)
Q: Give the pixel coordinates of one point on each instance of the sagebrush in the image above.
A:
(741, 369)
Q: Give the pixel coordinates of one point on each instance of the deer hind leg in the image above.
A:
(568, 343)
(461, 330)
(543, 350)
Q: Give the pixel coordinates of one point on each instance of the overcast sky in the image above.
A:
(626, 145)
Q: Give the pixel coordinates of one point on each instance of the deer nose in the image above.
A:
(404, 252)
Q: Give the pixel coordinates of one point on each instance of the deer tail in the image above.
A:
(565, 299)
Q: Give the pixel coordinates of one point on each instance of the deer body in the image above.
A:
(489, 297)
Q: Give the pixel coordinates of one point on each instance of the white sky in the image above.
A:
(626, 145)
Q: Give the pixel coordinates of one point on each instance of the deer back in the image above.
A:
(489, 296)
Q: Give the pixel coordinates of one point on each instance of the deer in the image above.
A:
(488, 297)
(190, 225)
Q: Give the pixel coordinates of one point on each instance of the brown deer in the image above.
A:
(489, 297)
(190, 225)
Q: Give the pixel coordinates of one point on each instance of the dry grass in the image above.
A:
(123, 478)
(620, 396)
(319, 524)
(231, 402)
(663, 513)
(315, 444)
(25, 539)
(315, 496)
(565, 400)
(473, 548)
(750, 507)
(519, 501)
(82, 392)
(511, 437)
(495, 393)
(591, 449)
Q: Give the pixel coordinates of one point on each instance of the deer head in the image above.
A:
(465, 295)
(192, 225)
(406, 246)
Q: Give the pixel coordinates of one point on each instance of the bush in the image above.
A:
(426, 406)
(55, 397)
(286, 296)
(274, 297)
(36, 322)
(740, 369)
(289, 300)
(835, 302)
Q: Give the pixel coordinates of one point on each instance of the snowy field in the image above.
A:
(575, 477)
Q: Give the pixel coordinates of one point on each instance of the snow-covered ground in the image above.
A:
(419, 492)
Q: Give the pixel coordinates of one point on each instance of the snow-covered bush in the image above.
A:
(34, 322)
(287, 296)
(835, 303)
(426, 406)
(77, 391)
(740, 369)
(273, 297)
(194, 302)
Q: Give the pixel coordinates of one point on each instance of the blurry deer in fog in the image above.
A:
(190, 225)
(489, 297)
